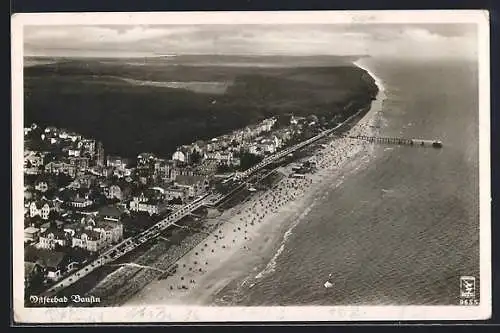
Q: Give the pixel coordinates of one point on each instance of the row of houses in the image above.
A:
(221, 149)
(76, 154)
(156, 199)
(59, 247)
(83, 198)
(92, 232)
(74, 145)
(260, 139)
(41, 266)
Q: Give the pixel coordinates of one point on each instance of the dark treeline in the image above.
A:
(128, 119)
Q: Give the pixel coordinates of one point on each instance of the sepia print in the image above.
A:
(262, 166)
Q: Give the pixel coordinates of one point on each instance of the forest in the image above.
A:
(90, 97)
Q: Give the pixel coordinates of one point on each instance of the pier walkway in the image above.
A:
(398, 141)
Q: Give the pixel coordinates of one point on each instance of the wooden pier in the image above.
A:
(399, 141)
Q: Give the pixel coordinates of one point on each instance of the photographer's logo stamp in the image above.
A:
(467, 287)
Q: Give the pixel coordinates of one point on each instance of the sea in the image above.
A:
(402, 225)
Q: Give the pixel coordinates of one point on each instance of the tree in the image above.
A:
(113, 201)
(175, 201)
(248, 160)
(62, 180)
(53, 215)
(312, 118)
(195, 157)
(223, 168)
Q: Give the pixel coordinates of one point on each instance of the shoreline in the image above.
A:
(371, 120)
(126, 284)
(250, 245)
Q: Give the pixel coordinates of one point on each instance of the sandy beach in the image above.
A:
(251, 231)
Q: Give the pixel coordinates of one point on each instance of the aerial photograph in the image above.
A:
(251, 164)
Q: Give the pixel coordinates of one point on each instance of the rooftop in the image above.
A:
(57, 232)
(145, 156)
(31, 230)
(189, 180)
(91, 234)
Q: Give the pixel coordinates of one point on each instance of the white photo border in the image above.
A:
(197, 314)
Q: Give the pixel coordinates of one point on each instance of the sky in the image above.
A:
(408, 40)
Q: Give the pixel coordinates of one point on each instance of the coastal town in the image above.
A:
(80, 200)
(237, 168)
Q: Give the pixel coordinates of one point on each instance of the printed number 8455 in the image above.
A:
(469, 302)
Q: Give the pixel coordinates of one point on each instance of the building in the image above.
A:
(60, 167)
(145, 175)
(268, 146)
(122, 173)
(267, 124)
(195, 185)
(151, 200)
(33, 162)
(84, 182)
(115, 191)
(34, 159)
(99, 157)
(52, 130)
(42, 186)
(41, 208)
(53, 264)
(224, 157)
(174, 172)
(283, 135)
(45, 183)
(145, 159)
(52, 237)
(80, 163)
(74, 136)
(80, 198)
(211, 146)
(199, 146)
(116, 162)
(107, 172)
(31, 235)
(73, 151)
(47, 225)
(88, 239)
(181, 155)
(150, 206)
(88, 145)
(256, 149)
(80, 202)
(207, 168)
(175, 193)
(111, 231)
